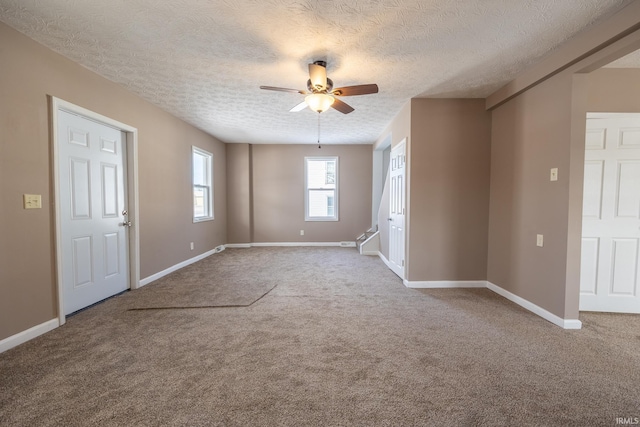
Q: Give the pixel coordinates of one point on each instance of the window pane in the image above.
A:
(200, 201)
(321, 203)
(330, 206)
(199, 169)
(331, 172)
(320, 174)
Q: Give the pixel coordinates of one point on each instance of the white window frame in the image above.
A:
(209, 180)
(336, 197)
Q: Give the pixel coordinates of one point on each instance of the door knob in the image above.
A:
(127, 224)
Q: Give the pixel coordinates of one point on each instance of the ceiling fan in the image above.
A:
(320, 92)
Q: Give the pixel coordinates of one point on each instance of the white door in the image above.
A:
(93, 220)
(611, 216)
(396, 209)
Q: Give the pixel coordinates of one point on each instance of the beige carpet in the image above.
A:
(338, 342)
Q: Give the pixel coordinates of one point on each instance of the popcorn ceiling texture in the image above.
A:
(204, 60)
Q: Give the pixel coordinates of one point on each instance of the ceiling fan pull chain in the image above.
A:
(319, 130)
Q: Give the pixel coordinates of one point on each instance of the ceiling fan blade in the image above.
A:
(299, 107)
(318, 76)
(343, 107)
(355, 90)
(283, 89)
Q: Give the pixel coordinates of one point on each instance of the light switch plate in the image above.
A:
(539, 240)
(554, 174)
(32, 201)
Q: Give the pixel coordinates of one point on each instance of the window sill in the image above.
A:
(196, 220)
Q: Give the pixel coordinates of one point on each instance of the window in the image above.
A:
(321, 188)
(202, 171)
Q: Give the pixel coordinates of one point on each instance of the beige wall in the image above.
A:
(614, 90)
(239, 194)
(449, 154)
(30, 72)
(278, 193)
(531, 134)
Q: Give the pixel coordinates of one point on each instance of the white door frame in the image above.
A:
(131, 142)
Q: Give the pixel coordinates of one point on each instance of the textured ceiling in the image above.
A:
(203, 60)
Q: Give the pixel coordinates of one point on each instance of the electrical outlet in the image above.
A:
(539, 240)
(192, 246)
(302, 232)
(32, 201)
(553, 176)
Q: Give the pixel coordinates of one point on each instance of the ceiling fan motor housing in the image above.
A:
(313, 89)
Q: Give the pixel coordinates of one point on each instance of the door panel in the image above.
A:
(628, 189)
(589, 266)
(80, 188)
(92, 201)
(78, 137)
(611, 216)
(592, 189)
(111, 254)
(109, 191)
(108, 145)
(625, 255)
(630, 137)
(82, 261)
(595, 138)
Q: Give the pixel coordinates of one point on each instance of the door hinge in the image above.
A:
(403, 263)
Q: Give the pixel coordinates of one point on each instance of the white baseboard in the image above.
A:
(265, 244)
(374, 253)
(384, 259)
(238, 245)
(439, 284)
(29, 334)
(283, 244)
(528, 305)
(535, 309)
(178, 266)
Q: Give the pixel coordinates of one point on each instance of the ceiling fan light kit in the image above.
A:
(319, 102)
